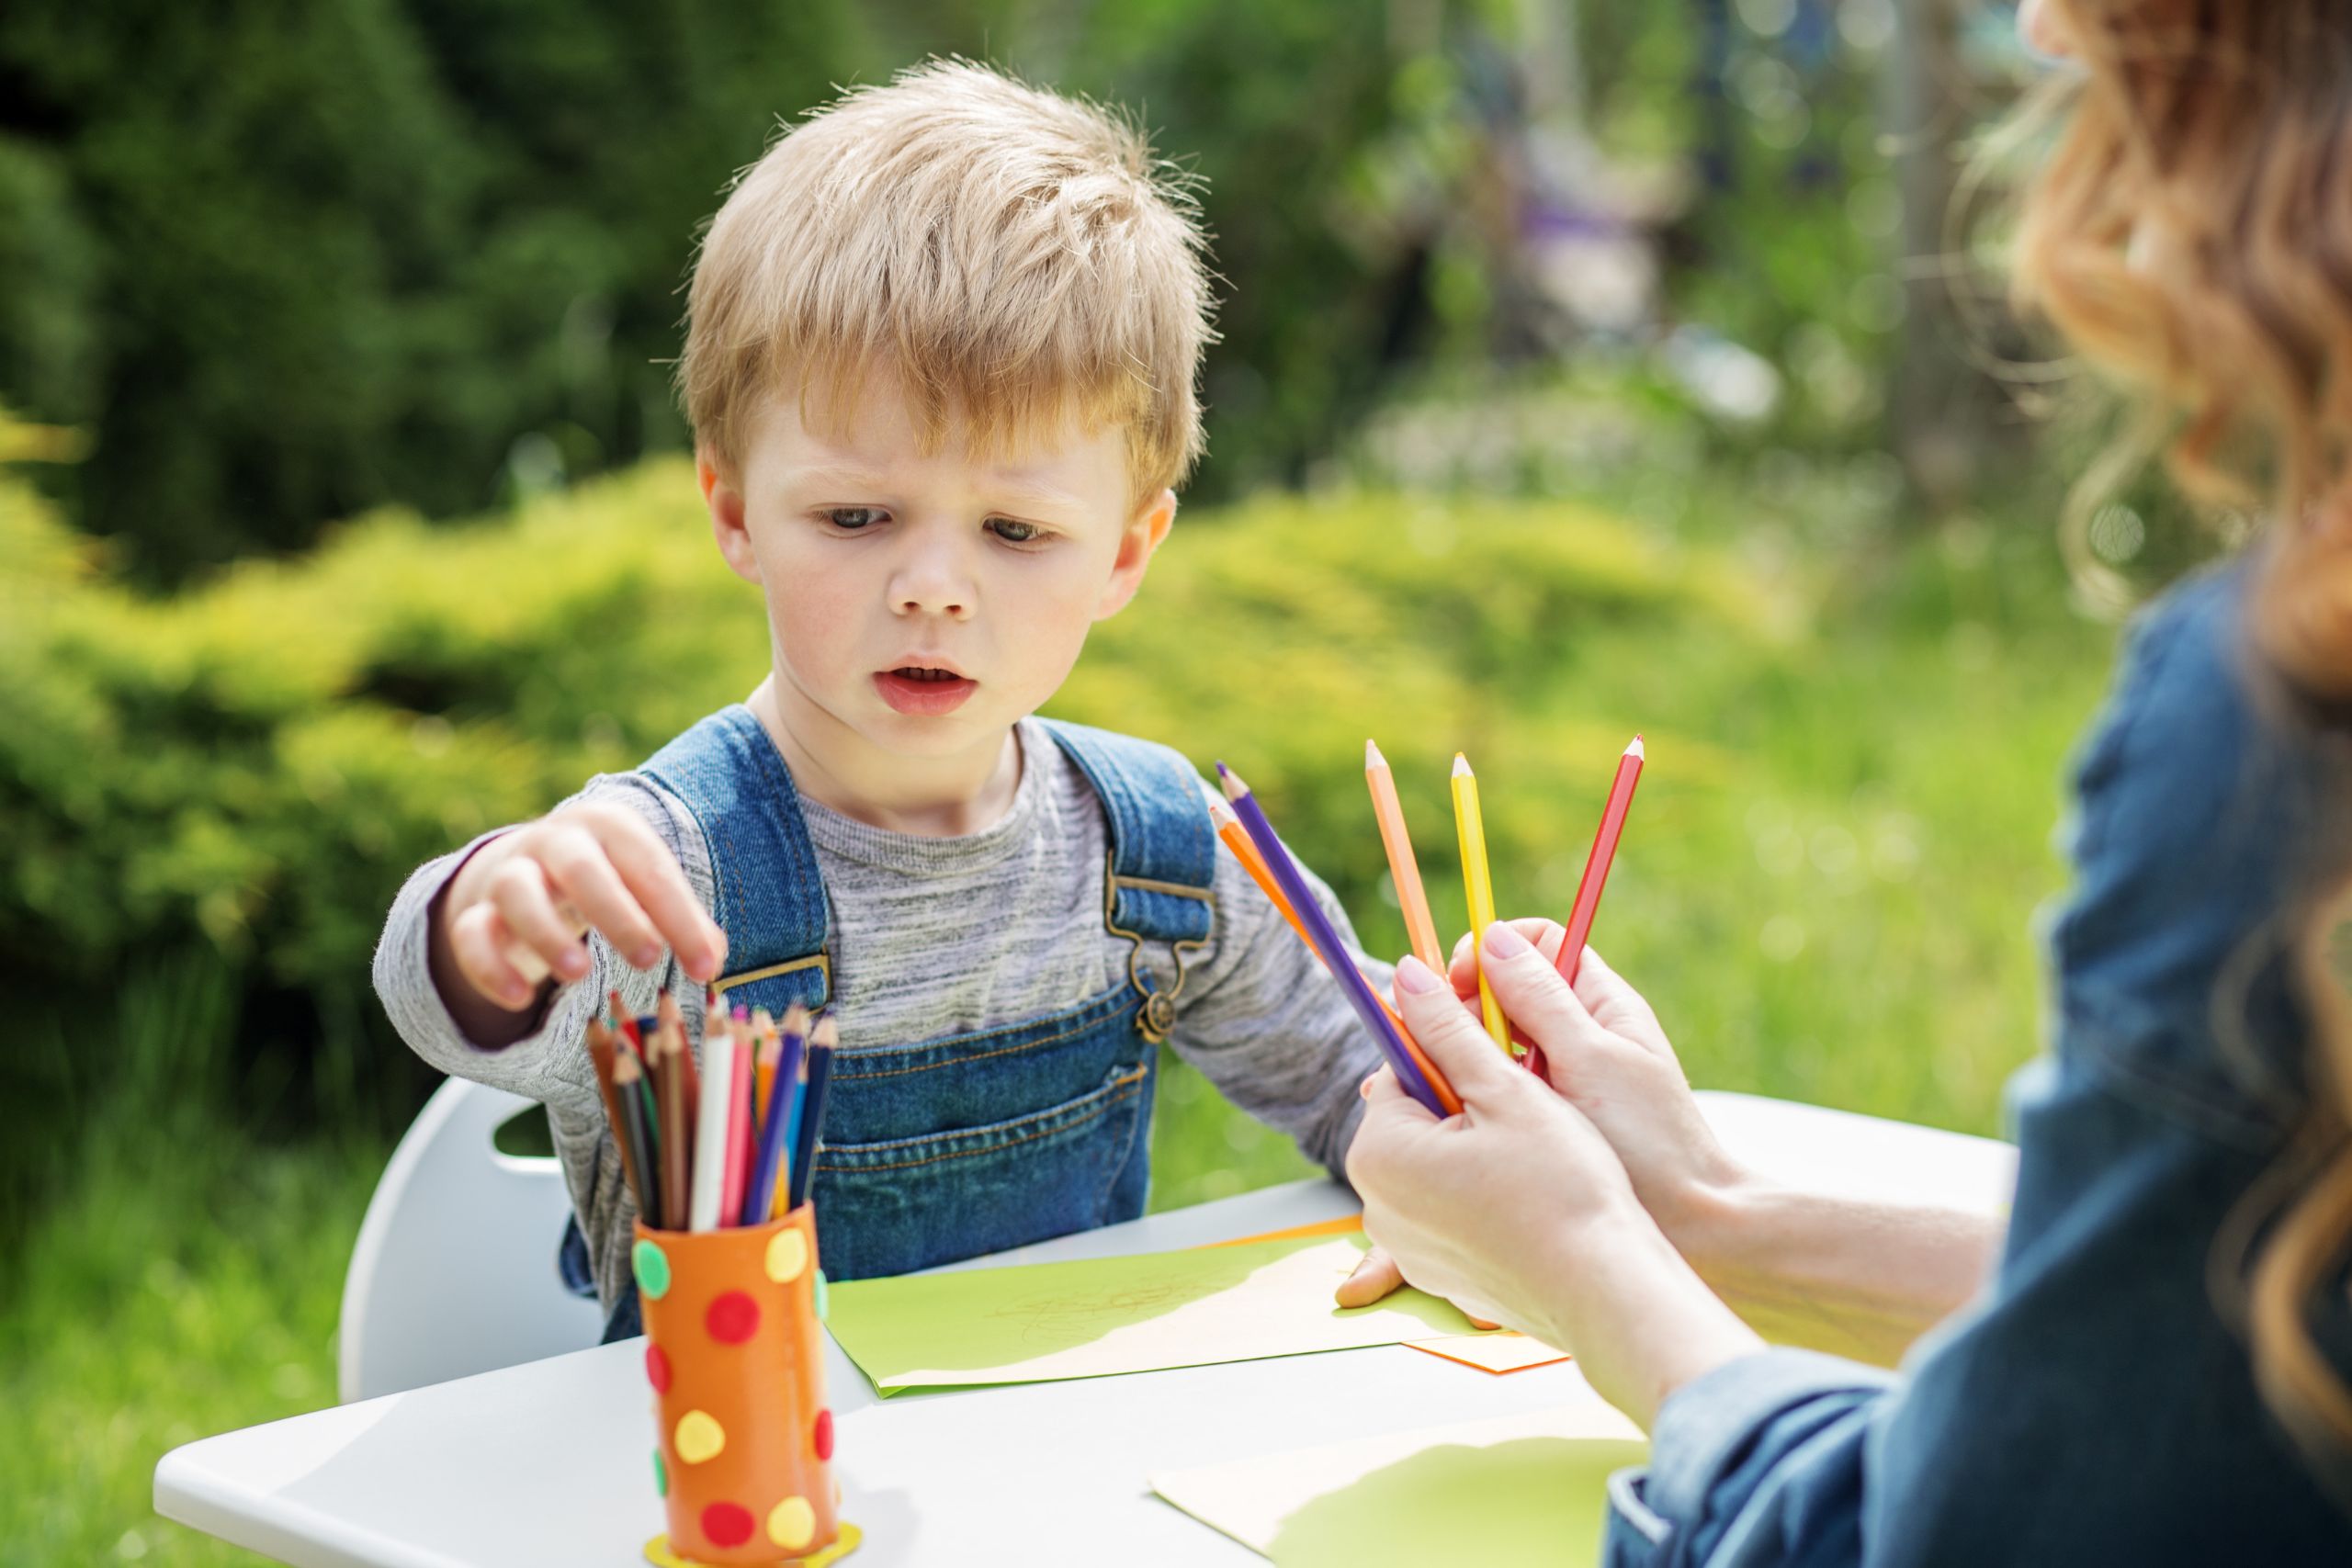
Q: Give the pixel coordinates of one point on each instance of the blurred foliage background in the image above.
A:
(1588, 366)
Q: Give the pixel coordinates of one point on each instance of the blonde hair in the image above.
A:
(2191, 234)
(1014, 258)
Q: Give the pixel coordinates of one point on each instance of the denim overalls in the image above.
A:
(949, 1147)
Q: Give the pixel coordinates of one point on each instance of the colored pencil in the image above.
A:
(792, 1076)
(602, 1052)
(1412, 899)
(1479, 889)
(1237, 838)
(812, 1113)
(677, 1125)
(741, 1120)
(758, 1199)
(635, 1135)
(1326, 940)
(710, 1124)
(1601, 856)
(668, 1010)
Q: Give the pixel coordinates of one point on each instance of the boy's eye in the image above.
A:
(850, 519)
(1013, 532)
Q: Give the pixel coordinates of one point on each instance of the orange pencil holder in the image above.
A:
(735, 1352)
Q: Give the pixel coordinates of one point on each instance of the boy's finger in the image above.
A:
(520, 893)
(585, 875)
(654, 876)
(479, 941)
(1451, 1035)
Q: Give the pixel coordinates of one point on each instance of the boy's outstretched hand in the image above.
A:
(518, 911)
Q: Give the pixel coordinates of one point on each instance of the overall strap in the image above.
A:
(1163, 852)
(770, 896)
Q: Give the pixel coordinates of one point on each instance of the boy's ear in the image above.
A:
(724, 500)
(1144, 532)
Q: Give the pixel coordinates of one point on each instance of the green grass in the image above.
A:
(1856, 756)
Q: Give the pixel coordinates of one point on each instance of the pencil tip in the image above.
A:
(1462, 766)
(1221, 814)
(1371, 757)
(1635, 749)
(1235, 789)
(827, 1034)
(1222, 771)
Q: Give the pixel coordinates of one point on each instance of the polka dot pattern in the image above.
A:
(821, 1436)
(733, 1319)
(788, 1256)
(660, 1475)
(792, 1524)
(727, 1524)
(821, 1295)
(657, 1368)
(652, 1266)
(698, 1436)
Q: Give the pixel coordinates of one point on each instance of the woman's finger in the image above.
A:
(1374, 1277)
(1451, 1035)
(1536, 997)
(1617, 1007)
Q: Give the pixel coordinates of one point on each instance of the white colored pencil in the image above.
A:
(711, 1128)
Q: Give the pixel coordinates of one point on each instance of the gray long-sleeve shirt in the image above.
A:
(1257, 1015)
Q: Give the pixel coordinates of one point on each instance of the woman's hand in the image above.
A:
(1520, 1205)
(1482, 1208)
(1605, 1054)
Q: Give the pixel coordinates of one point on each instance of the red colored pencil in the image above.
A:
(1596, 864)
(738, 1119)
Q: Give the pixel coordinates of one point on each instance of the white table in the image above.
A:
(547, 1462)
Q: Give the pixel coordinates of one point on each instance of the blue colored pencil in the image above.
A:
(812, 1111)
(759, 1198)
(1326, 940)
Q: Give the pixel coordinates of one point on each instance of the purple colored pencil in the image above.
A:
(1325, 938)
(759, 1198)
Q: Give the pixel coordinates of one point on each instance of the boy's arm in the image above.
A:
(539, 1051)
(1270, 1029)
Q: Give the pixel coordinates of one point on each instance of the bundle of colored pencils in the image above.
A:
(731, 1142)
(1243, 827)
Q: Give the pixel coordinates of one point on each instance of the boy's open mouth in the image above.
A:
(923, 689)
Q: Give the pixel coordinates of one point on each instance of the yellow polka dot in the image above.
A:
(699, 1436)
(791, 1523)
(788, 1256)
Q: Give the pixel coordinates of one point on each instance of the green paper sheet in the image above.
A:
(1101, 1316)
(1514, 1492)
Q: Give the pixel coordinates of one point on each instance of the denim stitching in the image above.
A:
(1108, 1105)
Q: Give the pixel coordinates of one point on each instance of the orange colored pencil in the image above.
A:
(1412, 899)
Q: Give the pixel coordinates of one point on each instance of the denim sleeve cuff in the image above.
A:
(1707, 1424)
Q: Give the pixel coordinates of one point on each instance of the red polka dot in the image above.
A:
(657, 1368)
(727, 1524)
(823, 1436)
(732, 1318)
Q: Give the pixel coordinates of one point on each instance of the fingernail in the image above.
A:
(1503, 941)
(1414, 975)
(646, 957)
(575, 963)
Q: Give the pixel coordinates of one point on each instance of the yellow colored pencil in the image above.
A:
(1478, 887)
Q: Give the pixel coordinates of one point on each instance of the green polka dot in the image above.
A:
(652, 1266)
(660, 1475)
(821, 1295)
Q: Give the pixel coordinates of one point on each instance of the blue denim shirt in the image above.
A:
(2095, 1404)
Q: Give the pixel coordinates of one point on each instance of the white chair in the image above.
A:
(454, 1270)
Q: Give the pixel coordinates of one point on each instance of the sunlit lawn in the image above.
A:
(1825, 889)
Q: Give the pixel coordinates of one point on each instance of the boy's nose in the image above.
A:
(929, 585)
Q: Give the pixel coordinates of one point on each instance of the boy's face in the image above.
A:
(922, 603)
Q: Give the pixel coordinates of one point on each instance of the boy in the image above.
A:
(940, 349)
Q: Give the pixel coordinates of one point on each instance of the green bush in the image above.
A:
(1826, 883)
